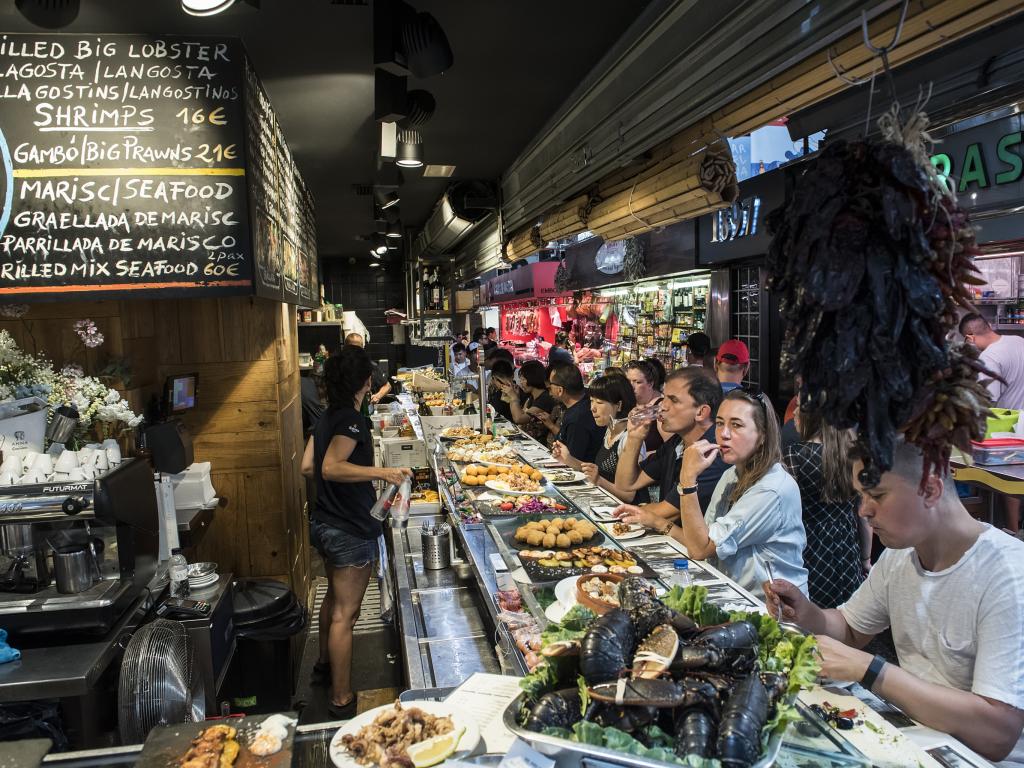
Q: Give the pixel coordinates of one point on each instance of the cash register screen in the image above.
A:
(181, 393)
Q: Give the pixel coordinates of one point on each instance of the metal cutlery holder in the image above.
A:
(436, 547)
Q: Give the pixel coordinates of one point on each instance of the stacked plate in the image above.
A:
(202, 575)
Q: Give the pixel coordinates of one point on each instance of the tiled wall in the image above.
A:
(368, 292)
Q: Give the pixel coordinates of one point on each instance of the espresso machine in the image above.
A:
(75, 556)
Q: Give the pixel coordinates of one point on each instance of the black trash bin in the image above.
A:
(267, 616)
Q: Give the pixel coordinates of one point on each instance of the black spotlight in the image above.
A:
(420, 106)
(425, 44)
(49, 14)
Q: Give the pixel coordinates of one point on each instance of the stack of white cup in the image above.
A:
(61, 465)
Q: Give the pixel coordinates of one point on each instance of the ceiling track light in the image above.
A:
(394, 230)
(380, 245)
(410, 149)
(426, 47)
(419, 108)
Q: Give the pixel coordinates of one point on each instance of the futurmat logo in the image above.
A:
(736, 221)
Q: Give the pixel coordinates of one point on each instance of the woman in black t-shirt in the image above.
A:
(339, 456)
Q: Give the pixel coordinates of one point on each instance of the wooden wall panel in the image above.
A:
(248, 423)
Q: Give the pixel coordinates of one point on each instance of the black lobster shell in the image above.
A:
(558, 709)
(743, 717)
(607, 648)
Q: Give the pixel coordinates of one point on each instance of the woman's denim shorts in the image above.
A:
(340, 549)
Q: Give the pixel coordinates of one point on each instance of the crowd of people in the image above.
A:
(695, 455)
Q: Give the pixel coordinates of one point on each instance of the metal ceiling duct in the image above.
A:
(680, 61)
(462, 205)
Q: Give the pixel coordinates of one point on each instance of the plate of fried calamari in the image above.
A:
(260, 741)
(404, 736)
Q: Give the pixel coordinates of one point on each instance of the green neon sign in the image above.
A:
(973, 172)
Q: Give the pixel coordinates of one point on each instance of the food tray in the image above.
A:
(166, 744)
(997, 452)
(569, 754)
(506, 528)
(542, 574)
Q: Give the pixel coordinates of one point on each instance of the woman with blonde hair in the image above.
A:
(753, 521)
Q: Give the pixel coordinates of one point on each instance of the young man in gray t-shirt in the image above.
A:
(952, 590)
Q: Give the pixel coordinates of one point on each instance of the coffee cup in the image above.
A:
(32, 476)
(88, 472)
(28, 459)
(113, 451)
(76, 475)
(6, 478)
(67, 461)
(11, 466)
(85, 456)
(100, 460)
(43, 464)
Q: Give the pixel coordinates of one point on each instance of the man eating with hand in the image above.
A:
(952, 590)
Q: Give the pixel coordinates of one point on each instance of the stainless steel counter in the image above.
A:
(63, 671)
(445, 632)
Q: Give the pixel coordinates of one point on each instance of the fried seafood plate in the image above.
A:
(214, 747)
(392, 732)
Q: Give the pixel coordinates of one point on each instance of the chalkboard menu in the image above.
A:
(124, 169)
(284, 239)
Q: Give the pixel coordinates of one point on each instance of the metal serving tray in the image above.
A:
(569, 754)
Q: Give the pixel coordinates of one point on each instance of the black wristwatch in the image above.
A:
(874, 670)
(687, 490)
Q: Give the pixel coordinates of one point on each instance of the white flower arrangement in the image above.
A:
(25, 375)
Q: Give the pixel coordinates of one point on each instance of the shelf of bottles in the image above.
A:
(434, 291)
(665, 315)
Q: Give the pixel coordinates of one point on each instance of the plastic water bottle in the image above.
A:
(177, 567)
(682, 574)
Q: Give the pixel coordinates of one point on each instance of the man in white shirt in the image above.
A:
(952, 590)
(460, 364)
(1003, 355)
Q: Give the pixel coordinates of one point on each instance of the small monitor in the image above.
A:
(180, 393)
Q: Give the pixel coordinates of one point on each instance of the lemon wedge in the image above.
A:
(433, 751)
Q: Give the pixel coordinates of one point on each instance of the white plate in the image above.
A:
(603, 513)
(565, 591)
(494, 464)
(497, 485)
(520, 576)
(576, 477)
(636, 532)
(204, 580)
(469, 741)
(556, 611)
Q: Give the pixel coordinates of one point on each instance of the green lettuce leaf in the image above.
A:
(656, 737)
(586, 732)
(541, 680)
(572, 627)
(584, 694)
(806, 665)
(561, 733)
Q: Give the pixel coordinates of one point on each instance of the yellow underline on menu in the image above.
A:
(35, 173)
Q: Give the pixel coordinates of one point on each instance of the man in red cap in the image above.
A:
(732, 364)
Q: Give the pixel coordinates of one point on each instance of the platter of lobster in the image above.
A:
(659, 681)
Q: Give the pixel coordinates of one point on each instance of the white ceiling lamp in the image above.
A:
(374, 263)
(410, 149)
(212, 7)
(394, 230)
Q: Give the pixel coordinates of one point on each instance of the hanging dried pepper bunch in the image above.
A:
(870, 256)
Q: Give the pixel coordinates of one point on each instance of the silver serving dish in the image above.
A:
(569, 754)
(199, 570)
